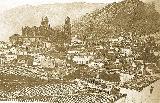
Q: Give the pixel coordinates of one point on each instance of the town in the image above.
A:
(51, 63)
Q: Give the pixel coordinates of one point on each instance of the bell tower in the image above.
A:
(67, 27)
(67, 30)
(45, 22)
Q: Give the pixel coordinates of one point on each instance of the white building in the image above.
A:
(13, 50)
(99, 47)
(43, 61)
(48, 62)
(76, 41)
(95, 64)
(2, 59)
(82, 59)
(38, 58)
(124, 77)
(3, 45)
(10, 57)
(73, 52)
(114, 40)
(47, 44)
(126, 51)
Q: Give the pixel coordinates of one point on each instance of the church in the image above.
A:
(44, 33)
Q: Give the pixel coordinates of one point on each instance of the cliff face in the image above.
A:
(126, 16)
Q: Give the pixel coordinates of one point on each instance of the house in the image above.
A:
(126, 51)
(37, 60)
(22, 51)
(10, 56)
(100, 47)
(28, 40)
(120, 38)
(151, 68)
(47, 44)
(60, 62)
(75, 41)
(157, 53)
(110, 52)
(2, 59)
(130, 59)
(82, 59)
(124, 77)
(95, 64)
(44, 61)
(48, 62)
(114, 40)
(70, 54)
(3, 45)
(73, 52)
(24, 60)
(139, 66)
(13, 50)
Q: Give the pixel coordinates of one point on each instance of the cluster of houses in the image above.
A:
(35, 48)
(14, 56)
(121, 52)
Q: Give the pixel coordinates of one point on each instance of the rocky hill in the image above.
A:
(126, 16)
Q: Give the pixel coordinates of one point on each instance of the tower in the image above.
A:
(67, 30)
(45, 21)
(67, 27)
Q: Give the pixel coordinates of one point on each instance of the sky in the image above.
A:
(8, 4)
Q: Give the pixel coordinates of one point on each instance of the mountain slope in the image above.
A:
(126, 16)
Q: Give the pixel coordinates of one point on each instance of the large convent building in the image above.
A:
(44, 33)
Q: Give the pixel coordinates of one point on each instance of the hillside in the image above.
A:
(126, 16)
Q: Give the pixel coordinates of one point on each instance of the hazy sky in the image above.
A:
(7, 4)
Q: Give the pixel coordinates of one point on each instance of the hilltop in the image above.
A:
(126, 16)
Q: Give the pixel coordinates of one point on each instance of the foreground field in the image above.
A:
(143, 96)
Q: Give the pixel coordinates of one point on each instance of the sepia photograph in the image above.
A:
(80, 51)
